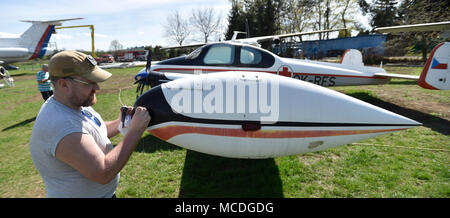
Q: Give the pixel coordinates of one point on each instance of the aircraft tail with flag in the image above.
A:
(436, 72)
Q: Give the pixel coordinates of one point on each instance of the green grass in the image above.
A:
(411, 163)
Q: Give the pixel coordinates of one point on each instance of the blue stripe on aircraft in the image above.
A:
(45, 44)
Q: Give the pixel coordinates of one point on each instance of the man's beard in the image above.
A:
(90, 101)
(85, 102)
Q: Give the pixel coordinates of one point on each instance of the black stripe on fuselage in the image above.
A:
(161, 112)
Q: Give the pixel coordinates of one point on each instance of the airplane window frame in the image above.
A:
(257, 56)
(231, 59)
(194, 54)
(267, 59)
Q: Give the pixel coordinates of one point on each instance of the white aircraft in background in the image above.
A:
(241, 56)
(436, 73)
(238, 57)
(31, 44)
(256, 41)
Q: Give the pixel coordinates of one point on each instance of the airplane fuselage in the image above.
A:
(245, 58)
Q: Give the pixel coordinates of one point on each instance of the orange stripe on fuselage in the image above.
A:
(264, 71)
(167, 132)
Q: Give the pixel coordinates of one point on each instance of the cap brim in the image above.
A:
(97, 75)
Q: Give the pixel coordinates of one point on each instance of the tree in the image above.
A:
(236, 19)
(262, 17)
(115, 46)
(205, 21)
(348, 9)
(382, 12)
(296, 16)
(423, 11)
(176, 28)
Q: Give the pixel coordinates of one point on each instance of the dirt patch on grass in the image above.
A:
(115, 83)
(432, 109)
(413, 99)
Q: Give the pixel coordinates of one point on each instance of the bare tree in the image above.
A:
(115, 46)
(177, 28)
(205, 21)
(347, 10)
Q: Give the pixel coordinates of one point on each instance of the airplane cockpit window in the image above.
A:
(250, 56)
(195, 53)
(219, 54)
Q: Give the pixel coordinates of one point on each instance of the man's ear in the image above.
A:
(63, 84)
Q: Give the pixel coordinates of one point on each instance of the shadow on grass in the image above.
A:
(403, 82)
(435, 123)
(150, 144)
(25, 122)
(212, 176)
(20, 74)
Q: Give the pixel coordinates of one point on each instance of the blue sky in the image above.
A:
(131, 22)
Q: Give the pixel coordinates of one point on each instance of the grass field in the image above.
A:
(412, 163)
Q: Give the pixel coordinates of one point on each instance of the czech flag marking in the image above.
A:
(436, 65)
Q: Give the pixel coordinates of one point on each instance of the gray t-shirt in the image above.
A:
(54, 121)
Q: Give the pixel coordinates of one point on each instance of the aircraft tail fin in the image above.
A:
(36, 37)
(352, 57)
(436, 72)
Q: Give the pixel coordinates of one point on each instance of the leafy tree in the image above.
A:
(261, 15)
(236, 19)
(423, 11)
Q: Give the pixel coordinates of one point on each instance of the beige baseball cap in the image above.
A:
(74, 63)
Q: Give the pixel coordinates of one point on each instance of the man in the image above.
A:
(44, 83)
(70, 143)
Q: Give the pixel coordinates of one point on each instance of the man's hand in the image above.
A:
(140, 119)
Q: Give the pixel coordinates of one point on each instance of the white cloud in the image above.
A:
(97, 35)
(9, 35)
(61, 36)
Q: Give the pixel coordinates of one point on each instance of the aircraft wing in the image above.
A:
(185, 46)
(56, 22)
(280, 36)
(397, 76)
(439, 26)
(259, 39)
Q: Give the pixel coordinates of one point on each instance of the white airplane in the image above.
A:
(234, 56)
(31, 44)
(235, 119)
(243, 55)
(252, 115)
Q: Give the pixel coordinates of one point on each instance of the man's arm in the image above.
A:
(111, 126)
(41, 77)
(82, 153)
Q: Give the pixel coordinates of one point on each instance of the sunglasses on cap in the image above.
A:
(80, 81)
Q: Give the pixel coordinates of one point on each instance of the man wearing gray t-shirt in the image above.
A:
(70, 144)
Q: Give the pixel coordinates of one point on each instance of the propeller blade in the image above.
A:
(149, 60)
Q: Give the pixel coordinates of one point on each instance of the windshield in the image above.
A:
(195, 53)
